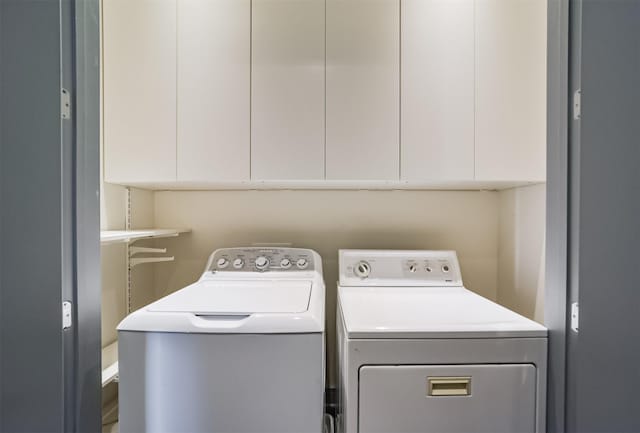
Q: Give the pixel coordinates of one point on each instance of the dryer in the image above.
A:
(240, 350)
(418, 352)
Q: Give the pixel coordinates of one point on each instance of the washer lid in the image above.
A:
(429, 312)
(237, 297)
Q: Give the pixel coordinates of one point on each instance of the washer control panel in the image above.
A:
(386, 268)
(258, 259)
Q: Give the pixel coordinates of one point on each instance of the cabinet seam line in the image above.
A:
(250, 89)
(177, 85)
(400, 90)
(325, 89)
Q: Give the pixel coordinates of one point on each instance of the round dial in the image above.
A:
(285, 263)
(238, 263)
(302, 263)
(413, 268)
(362, 269)
(262, 263)
(222, 263)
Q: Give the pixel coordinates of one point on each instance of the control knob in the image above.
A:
(222, 263)
(285, 263)
(238, 263)
(262, 263)
(302, 263)
(362, 269)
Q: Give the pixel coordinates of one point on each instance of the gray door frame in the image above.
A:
(87, 390)
(49, 216)
(593, 209)
(603, 356)
(557, 218)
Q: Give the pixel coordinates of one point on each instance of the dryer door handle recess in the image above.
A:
(448, 386)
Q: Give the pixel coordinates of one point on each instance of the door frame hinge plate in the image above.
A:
(575, 317)
(67, 314)
(65, 103)
(577, 104)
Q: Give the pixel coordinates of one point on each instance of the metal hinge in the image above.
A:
(577, 96)
(65, 104)
(575, 316)
(67, 318)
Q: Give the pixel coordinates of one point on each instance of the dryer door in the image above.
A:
(447, 399)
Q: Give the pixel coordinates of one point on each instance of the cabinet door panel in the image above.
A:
(437, 139)
(287, 92)
(511, 41)
(363, 89)
(139, 90)
(214, 50)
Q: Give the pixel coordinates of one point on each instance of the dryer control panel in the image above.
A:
(388, 268)
(258, 259)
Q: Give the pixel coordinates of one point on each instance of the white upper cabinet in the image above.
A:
(511, 90)
(214, 55)
(287, 92)
(293, 93)
(363, 89)
(437, 140)
(139, 61)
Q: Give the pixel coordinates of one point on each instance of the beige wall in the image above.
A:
(521, 250)
(326, 221)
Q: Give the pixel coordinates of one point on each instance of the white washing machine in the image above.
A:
(418, 352)
(241, 350)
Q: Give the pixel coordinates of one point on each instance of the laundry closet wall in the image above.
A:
(521, 250)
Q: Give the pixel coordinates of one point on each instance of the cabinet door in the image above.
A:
(139, 88)
(511, 41)
(363, 89)
(214, 51)
(287, 92)
(437, 90)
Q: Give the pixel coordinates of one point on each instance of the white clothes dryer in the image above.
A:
(418, 352)
(241, 350)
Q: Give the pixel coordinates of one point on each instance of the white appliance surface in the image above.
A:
(238, 297)
(417, 351)
(429, 312)
(241, 350)
(243, 290)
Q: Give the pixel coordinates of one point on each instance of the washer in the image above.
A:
(417, 352)
(240, 350)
